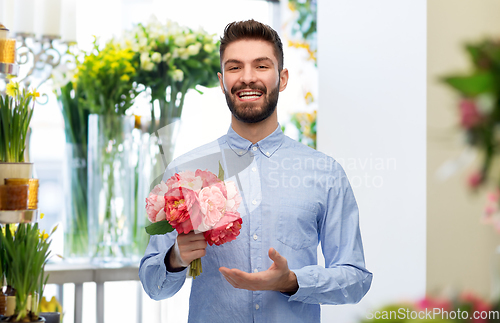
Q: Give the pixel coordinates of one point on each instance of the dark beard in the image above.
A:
(246, 111)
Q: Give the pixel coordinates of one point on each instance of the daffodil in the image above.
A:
(12, 89)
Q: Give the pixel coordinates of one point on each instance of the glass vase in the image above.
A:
(110, 188)
(156, 152)
(76, 240)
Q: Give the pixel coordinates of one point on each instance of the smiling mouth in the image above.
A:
(249, 95)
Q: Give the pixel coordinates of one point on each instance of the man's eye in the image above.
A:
(262, 66)
(233, 68)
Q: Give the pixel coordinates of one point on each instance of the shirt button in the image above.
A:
(255, 270)
(257, 306)
(254, 169)
(267, 154)
(254, 202)
(255, 237)
(254, 148)
(159, 287)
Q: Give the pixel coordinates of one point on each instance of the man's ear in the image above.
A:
(283, 79)
(221, 81)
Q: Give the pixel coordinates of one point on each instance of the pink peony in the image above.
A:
(207, 177)
(186, 179)
(180, 205)
(212, 205)
(226, 230)
(469, 114)
(233, 197)
(155, 203)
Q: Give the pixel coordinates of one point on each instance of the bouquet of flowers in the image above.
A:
(196, 201)
(171, 59)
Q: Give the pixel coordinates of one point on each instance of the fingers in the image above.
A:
(278, 259)
(191, 246)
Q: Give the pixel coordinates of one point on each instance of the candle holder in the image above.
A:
(36, 58)
(8, 65)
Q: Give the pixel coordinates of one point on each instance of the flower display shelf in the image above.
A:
(18, 216)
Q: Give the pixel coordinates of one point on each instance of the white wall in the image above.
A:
(372, 119)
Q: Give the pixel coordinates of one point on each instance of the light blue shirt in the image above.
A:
(294, 197)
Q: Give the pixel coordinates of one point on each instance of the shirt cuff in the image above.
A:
(307, 279)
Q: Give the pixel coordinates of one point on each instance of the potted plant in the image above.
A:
(16, 110)
(24, 253)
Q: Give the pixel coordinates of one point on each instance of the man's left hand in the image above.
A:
(278, 277)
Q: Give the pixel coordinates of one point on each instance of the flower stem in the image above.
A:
(195, 269)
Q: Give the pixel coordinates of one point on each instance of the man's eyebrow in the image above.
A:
(261, 59)
(234, 61)
(257, 60)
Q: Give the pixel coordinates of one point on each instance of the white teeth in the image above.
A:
(250, 93)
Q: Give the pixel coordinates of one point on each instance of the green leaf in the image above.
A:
(221, 172)
(194, 63)
(160, 227)
(471, 85)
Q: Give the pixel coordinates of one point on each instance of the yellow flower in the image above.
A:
(309, 98)
(125, 78)
(52, 306)
(12, 89)
(43, 235)
(13, 228)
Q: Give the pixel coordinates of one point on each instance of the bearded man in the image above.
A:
(294, 198)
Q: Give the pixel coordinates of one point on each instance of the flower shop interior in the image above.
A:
(405, 96)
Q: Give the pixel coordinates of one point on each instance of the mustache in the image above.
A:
(249, 87)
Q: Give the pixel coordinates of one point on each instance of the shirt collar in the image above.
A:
(267, 146)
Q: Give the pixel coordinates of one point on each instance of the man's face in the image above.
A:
(250, 79)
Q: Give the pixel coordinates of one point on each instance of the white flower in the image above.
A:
(143, 43)
(175, 53)
(180, 41)
(178, 75)
(485, 103)
(209, 48)
(145, 58)
(156, 57)
(190, 38)
(194, 49)
(148, 66)
(166, 57)
(183, 53)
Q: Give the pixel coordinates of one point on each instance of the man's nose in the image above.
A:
(248, 76)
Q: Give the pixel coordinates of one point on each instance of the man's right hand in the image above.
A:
(191, 246)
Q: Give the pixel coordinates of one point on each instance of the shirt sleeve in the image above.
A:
(157, 282)
(344, 279)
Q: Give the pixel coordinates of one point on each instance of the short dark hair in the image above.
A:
(251, 29)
